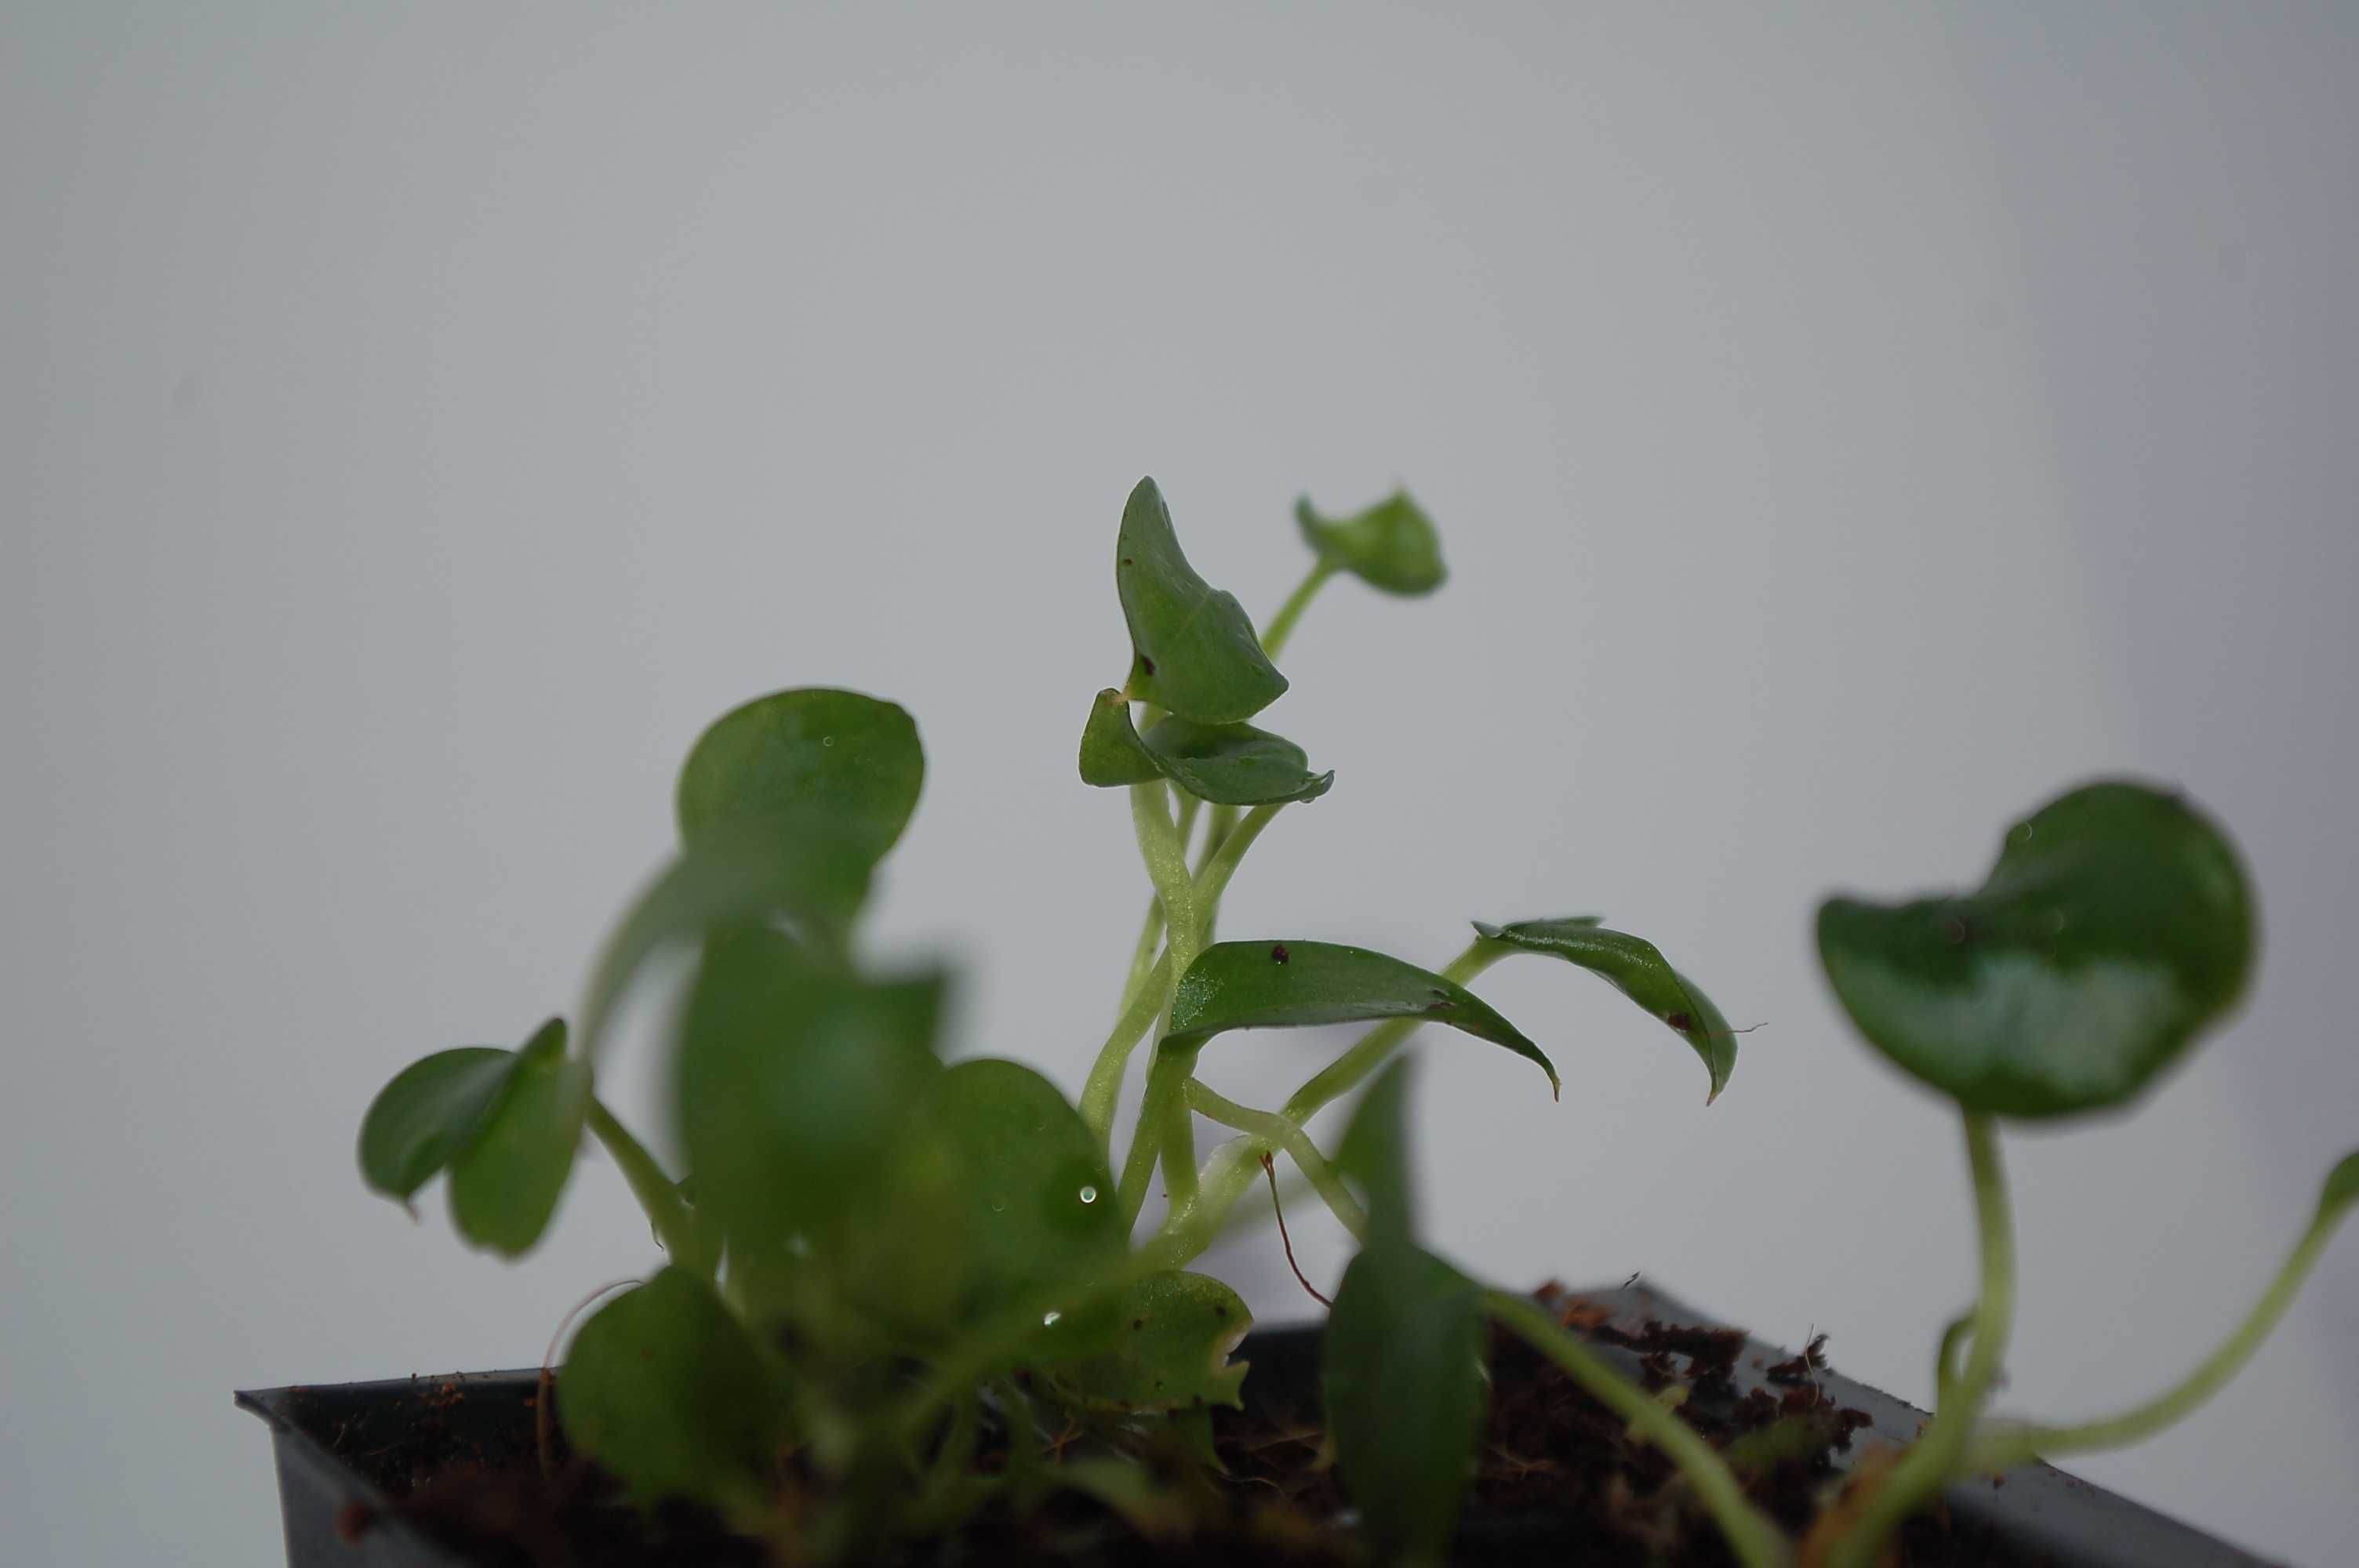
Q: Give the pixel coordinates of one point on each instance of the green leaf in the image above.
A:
(1193, 651)
(1639, 970)
(665, 1389)
(1287, 985)
(1403, 1353)
(2341, 1186)
(2115, 927)
(794, 1080)
(800, 758)
(505, 1182)
(1227, 764)
(430, 1110)
(1040, 1203)
(737, 873)
(1391, 545)
(1404, 1391)
(1172, 1338)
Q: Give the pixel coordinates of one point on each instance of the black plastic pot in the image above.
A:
(2038, 1514)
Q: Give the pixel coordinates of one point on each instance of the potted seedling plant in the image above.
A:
(911, 1310)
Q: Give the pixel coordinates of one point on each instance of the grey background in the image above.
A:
(1847, 427)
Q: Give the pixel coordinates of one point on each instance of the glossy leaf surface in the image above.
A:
(1287, 985)
(505, 1182)
(1172, 1338)
(1636, 968)
(734, 874)
(1391, 545)
(1193, 651)
(794, 1080)
(1403, 1354)
(1227, 764)
(2114, 928)
(430, 1110)
(665, 1389)
(811, 758)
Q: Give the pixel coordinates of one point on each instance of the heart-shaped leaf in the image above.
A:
(1288, 985)
(1193, 651)
(1634, 967)
(1173, 1337)
(2115, 927)
(794, 1079)
(736, 873)
(811, 758)
(1391, 545)
(1227, 764)
(665, 1389)
(505, 1182)
(1403, 1354)
(431, 1109)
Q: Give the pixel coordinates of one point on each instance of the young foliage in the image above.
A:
(879, 1257)
(667, 1390)
(1227, 764)
(1634, 967)
(2114, 928)
(1391, 546)
(1193, 652)
(1404, 1336)
(1293, 985)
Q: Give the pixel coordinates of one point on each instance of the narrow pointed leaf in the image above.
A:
(794, 1080)
(1193, 652)
(1227, 764)
(1636, 968)
(736, 873)
(1403, 1369)
(2115, 928)
(1391, 545)
(1287, 985)
(811, 758)
(1404, 1393)
(1172, 1338)
(505, 1182)
(666, 1389)
(432, 1110)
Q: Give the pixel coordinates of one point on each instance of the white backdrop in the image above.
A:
(415, 422)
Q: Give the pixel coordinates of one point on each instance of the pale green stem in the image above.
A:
(1279, 1133)
(1229, 1173)
(1212, 877)
(675, 1223)
(1281, 625)
(2011, 1446)
(1935, 1459)
(1375, 1048)
(1751, 1534)
(1218, 825)
(1165, 1130)
(1103, 1090)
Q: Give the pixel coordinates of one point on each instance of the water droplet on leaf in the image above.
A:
(1089, 1194)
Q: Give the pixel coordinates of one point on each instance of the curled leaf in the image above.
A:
(1391, 545)
(505, 1182)
(1636, 968)
(426, 1114)
(1227, 764)
(2115, 927)
(1287, 985)
(1193, 652)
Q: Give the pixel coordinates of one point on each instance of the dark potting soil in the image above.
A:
(1548, 1453)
